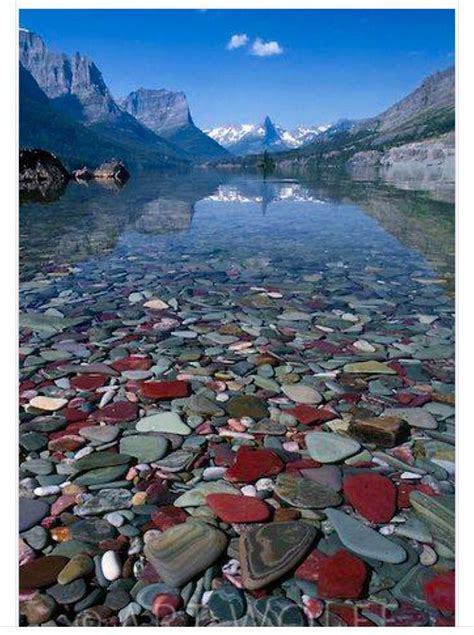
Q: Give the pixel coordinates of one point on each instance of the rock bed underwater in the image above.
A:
(220, 438)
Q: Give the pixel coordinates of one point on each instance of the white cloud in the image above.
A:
(260, 48)
(237, 40)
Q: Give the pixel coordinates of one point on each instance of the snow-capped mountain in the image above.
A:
(255, 138)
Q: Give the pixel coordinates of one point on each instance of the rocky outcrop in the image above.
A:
(167, 114)
(41, 173)
(423, 165)
(112, 169)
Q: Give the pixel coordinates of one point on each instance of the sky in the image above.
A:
(300, 67)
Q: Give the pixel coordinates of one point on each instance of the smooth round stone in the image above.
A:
(201, 405)
(227, 603)
(49, 404)
(41, 572)
(168, 422)
(115, 519)
(238, 509)
(106, 500)
(176, 461)
(117, 598)
(277, 611)
(100, 434)
(364, 541)
(38, 466)
(68, 593)
(269, 551)
(371, 367)
(36, 537)
(145, 448)
(92, 530)
(102, 475)
(302, 492)
(185, 550)
(415, 417)
(374, 496)
(267, 426)
(111, 565)
(196, 497)
(100, 460)
(38, 609)
(253, 463)
(31, 512)
(246, 406)
(79, 566)
(330, 447)
(301, 393)
(164, 390)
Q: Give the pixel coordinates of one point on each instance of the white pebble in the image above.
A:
(265, 484)
(47, 490)
(205, 597)
(222, 396)
(213, 473)
(388, 530)
(409, 476)
(115, 519)
(428, 556)
(151, 534)
(83, 452)
(111, 565)
(248, 490)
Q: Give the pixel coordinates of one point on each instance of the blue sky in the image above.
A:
(300, 67)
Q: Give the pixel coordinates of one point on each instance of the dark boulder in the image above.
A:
(41, 173)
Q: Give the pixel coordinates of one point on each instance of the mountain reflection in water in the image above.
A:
(89, 220)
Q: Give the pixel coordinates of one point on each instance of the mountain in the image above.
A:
(420, 126)
(255, 138)
(167, 113)
(75, 89)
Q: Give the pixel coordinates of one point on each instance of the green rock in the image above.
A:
(144, 447)
(246, 406)
(168, 422)
(227, 603)
(330, 447)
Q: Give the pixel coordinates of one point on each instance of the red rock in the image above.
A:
(309, 415)
(301, 464)
(164, 390)
(233, 508)
(309, 568)
(253, 463)
(66, 443)
(165, 604)
(223, 454)
(350, 615)
(406, 615)
(372, 495)
(405, 489)
(88, 382)
(74, 414)
(41, 572)
(134, 362)
(341, 576)
(149, 574)
(62, 503)
(168, 516)
(117, 412)
(439, 592)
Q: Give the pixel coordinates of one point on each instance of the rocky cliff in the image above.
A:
(167, 113)
(75, 89)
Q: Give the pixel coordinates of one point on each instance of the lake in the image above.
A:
(193, 315)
